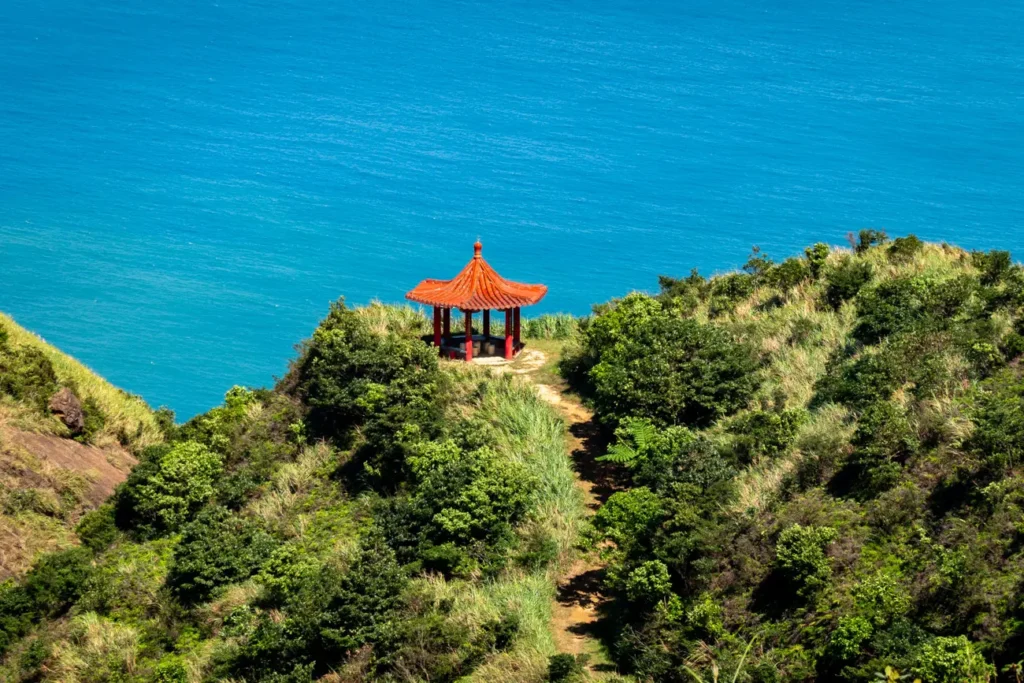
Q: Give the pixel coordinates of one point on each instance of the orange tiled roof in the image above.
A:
(477, 287)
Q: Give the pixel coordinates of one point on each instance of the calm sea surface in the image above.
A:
(184, 186)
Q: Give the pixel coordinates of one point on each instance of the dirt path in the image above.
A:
(579, 599)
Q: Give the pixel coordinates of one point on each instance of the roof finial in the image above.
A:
(477, 248)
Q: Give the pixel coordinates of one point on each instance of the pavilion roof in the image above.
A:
(477, 287)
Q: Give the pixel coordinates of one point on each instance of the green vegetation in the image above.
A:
(379, 515)
(31, 371)
(822, 466)
(817, 475)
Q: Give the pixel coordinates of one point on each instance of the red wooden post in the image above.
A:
(516, 323)
(508, 334)
(447, 323)
(469, 336)
(437, 326)
(487, 323)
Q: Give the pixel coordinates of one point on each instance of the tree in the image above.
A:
(217, 548)
(164, 491)
(645, 362)
(389, 385)
(800, 557)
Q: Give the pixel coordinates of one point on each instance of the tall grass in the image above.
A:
(529, 597)
(403, 320)
(529, 431)
(97, 649)
(126, 414)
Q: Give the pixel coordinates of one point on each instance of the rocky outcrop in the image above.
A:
(68, 408)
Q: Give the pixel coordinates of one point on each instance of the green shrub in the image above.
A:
(47, 590)
(999, 421)
(882, 597)
(128, 582)
(869, 238)
(351, 376)
(463, 509)
(565, 667)
(649, 584)
(217, 548)
(817, 257)
(904, 249)
(334, 613)
(27, 375)
(629, 517)
(800, 557)
(97, 529)
(873, 376)
(788, 274)
(953, 659)
(884, 439)
(890, 307)
(165, 490)
(849, 638)
(646, 362)
(95, 420)
(764, 433)
(994, 265)
(844, 281)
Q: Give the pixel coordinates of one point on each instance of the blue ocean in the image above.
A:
(185, 186)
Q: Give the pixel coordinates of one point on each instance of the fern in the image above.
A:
(636, 438)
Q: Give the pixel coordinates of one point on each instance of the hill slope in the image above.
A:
(47, 478)
(380, 515)
(823, 462)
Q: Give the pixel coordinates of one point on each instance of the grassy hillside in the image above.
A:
(380, 515)
(821, 463)
(47, 480)
(33, 370)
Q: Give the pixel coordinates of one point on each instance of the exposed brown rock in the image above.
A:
(68, 408)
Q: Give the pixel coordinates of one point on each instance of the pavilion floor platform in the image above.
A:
(484, 346)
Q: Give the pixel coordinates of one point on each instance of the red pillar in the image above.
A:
(487, 323)
(516, 323)
(508, 334)
(437, 326)
(469, 336)
(447, 323)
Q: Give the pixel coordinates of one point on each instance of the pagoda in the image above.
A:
(477, 287)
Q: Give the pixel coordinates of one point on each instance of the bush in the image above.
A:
(998, 416)
(882, 597)
(904, 249)
(216, 549)
(165, 490)
(97, 529)
(871, 377)
(788, 274)
(463, 509)
(46, 591)
(869, 238)
(800, 557)
(765, 433)
(643, 361)
(331, 615)
(648, 584)
(565, 667)
(817, 257)
(844, 281)
(994, 265)
(903, 304)
(351, 376)
(850, 635)
(953, 659)
(27, 375)
(629, 517)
